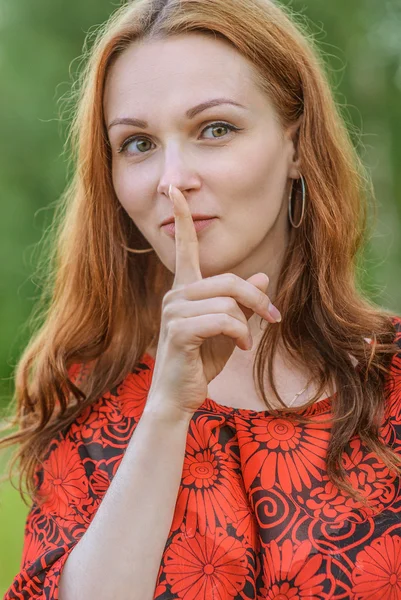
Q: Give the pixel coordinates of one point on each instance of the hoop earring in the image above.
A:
(303, 203)
(137, 251)
(289, 214)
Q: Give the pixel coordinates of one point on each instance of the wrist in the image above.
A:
(162, 411)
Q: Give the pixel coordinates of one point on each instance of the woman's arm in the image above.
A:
(120, 553)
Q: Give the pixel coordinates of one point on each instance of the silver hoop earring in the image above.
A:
(303, 203)
(133, 251)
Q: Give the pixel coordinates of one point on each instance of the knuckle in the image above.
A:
(172, 329)
(170, 297)
(231, 280)
(230, 305)
(168, 312)
(225, 320)
(166, 299)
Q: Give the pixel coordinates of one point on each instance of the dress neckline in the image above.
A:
(318, 407)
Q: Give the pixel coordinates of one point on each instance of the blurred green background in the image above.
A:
(40, 43)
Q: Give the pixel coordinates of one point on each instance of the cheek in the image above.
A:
(129, 191)
(259, 176)
(120, 184)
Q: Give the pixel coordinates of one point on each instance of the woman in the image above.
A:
(178, 438)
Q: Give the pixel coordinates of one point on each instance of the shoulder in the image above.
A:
(126, 399)
(393, 379)
(83, 458)
(118, 408)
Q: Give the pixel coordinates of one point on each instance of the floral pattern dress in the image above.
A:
(256, 516)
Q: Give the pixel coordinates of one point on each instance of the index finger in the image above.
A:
(187, 267)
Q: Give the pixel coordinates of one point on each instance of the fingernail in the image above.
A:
(172, 198)
(274, 313)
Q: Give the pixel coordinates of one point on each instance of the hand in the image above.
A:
(201, 323)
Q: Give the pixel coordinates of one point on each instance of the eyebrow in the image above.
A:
(190, 114)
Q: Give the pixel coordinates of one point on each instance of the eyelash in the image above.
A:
(122, 148)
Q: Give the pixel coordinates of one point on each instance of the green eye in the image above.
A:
(139, 138)
(219, 125)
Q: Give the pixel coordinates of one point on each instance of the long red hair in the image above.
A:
(101, 305)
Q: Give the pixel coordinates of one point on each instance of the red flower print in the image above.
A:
(377, 572)
(74, 373)
(245, 522)
(33, 547)
(96, 419)
(291, 572)
(133, 392)
(393, 390)
(64, 479)
(367, 475)
(79, 372)
(256, 516)
(387, 433)
(91, 425)
(283, 452)
(207, 488)
(206, 566)
(99, 482)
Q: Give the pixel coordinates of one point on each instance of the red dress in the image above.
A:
(256, 516)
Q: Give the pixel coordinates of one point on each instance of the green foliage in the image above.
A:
(39, 44)
(12, 517)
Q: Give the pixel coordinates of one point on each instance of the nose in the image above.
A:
(177, 171)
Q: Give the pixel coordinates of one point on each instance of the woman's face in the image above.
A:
(234, 163)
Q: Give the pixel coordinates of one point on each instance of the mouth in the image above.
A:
(199, 224)
(195, 217)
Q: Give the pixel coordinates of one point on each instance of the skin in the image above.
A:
(244, 178)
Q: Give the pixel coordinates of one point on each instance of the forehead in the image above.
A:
(177, 72)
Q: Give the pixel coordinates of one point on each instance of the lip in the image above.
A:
(199, 224)
(195, 217)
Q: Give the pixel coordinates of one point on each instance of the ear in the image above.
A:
(292, 135)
